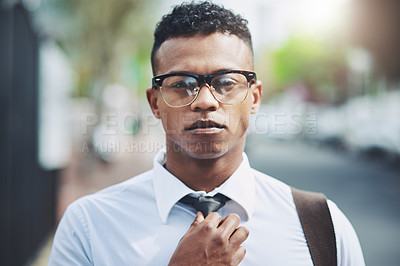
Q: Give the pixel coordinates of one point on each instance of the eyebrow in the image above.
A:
(187, 72)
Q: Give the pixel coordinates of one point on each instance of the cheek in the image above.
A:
(172, 120)
(245, 111)
(240, 119)
(167, 119)
(244, 122)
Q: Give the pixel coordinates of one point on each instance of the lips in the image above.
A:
(205, 127)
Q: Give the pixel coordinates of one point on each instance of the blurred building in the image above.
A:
(27, 190)
(375, 26)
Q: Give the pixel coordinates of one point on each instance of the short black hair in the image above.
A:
(205, 18)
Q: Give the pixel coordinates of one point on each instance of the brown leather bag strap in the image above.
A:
(316, 221)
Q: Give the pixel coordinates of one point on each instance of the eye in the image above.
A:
(223, 82)
(180, 82)
(183, 84)
(228, 81)
(231, 83)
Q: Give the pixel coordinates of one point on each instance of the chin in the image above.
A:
(205, 155)
(203, 150)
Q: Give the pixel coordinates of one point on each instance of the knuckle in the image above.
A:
(234, 217)
(242, 252)
(208, 227)
(238, 256)
(216, 214)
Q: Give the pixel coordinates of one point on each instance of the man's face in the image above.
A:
(206, 128)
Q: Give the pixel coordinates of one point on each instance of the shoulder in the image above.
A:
(348, 246)
(280, 194)
(83, 218)
(84, 214)
(271, 185)
(131, 190)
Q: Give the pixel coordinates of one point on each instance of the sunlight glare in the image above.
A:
(317, 16)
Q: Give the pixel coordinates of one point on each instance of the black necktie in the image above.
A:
(205, 204)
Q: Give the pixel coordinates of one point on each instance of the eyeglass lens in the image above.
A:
(230, 88)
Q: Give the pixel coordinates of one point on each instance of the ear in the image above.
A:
(152, 98)
(256, 93)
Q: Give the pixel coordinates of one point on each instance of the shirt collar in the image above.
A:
(240, 187)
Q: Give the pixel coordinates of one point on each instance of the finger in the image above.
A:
(221, 222)
(239, 254)
(214, 218)
(239, 236)
(229, 225)
(199, 218)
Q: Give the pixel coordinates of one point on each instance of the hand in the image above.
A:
(212, 241)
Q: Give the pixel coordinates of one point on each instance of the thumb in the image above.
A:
(199, 218)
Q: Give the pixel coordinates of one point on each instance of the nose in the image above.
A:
(205, 100)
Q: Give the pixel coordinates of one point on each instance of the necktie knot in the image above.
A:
(205, 204)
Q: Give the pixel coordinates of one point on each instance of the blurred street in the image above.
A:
(366, 190)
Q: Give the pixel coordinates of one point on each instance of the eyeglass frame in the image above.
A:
(201, 79)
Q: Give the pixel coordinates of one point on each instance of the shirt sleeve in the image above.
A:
(71, 245)
(349, 251)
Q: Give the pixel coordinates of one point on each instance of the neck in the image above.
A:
(203, 174)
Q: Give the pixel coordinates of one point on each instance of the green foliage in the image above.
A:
(99, 36)
(308, 60)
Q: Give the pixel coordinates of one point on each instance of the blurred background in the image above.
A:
(74, 117)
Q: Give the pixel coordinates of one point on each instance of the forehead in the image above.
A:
(202, 54)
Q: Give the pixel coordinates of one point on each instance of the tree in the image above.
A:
(316, 63)
(99, 36)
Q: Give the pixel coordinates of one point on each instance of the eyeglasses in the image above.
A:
(181, 89)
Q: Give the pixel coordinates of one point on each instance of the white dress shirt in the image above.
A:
(139, 222)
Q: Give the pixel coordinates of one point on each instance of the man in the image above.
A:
(204, 91)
